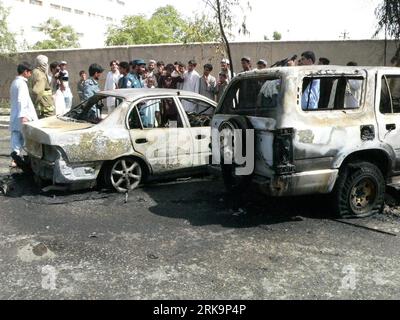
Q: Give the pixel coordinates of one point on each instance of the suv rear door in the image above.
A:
(387, 106)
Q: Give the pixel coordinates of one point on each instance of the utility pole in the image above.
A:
(345, 35)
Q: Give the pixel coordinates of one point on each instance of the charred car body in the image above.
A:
(347, 143)
(147, 134)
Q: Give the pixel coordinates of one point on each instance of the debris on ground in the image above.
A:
(5, 182)
(93, 235)
(392, 211)
(40, 249)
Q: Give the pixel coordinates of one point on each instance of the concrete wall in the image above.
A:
(365, 52)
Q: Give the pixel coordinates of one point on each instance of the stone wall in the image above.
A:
(365, 52)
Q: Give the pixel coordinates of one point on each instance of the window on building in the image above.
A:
(66, 9)
(55, 6)
(79, 11)
(122, 3)
(37, 29)
(109, 19)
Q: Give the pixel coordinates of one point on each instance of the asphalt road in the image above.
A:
(188, 240)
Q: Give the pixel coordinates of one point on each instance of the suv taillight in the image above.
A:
(283, 151)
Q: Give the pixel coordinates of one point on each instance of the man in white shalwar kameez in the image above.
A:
(112, 80)
(191, 83)
(22, 110)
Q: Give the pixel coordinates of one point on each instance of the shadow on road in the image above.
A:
(206, 203)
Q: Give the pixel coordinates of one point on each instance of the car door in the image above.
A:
(199, 122)
(388, 110)
(160, 134)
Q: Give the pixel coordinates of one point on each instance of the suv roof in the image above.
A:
(315, 69)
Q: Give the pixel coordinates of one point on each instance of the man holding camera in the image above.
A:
(67, 90)
(57, 85)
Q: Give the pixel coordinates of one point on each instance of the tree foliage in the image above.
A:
(388, 14)
(166, 25)
(201, 29)
(60, 36)
(8, 43)
(277, 36)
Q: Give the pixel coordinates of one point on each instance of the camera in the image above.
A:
(61, 75)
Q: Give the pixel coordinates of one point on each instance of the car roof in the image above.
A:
(135, 94)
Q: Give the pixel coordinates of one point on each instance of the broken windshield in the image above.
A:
(94, 110)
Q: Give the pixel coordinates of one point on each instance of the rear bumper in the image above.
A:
(305, 183)
(60, 172)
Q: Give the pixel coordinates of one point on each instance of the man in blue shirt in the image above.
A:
(311, 90)
(138, 68)
(126, 81)
(91, 85)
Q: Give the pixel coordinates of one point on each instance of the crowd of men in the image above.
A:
(48, 93)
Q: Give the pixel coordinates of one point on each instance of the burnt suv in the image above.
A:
(312, 130)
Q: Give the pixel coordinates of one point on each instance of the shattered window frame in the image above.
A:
(233, 98)
(333, 99)
(198, 119)
(390, 99)
(135, 105)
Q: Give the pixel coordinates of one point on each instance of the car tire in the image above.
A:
(124, 174)
(233, 182)
(360, 191)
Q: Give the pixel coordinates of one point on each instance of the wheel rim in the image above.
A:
(126, 175)
(363, 196)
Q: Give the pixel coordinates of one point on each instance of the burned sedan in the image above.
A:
(147, 134)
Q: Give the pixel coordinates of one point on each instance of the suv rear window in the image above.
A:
(332, 93)
(252, 96)
(390, 95)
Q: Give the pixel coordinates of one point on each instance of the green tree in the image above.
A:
(164, 26)
(201, 29)
(388, 15)
(169, 24)
(8, 43)
(277, 36)
(60, 37)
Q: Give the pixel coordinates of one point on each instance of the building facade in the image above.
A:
(89, 18)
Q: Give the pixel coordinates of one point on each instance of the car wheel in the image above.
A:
(233, 182)
(360, 191)
(124, 174)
